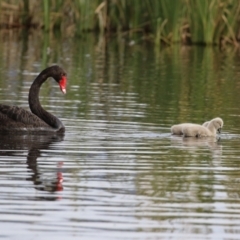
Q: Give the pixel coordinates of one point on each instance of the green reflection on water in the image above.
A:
(177, 84)
(110, 80)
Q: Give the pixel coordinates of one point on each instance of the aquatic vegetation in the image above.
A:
(159, 21)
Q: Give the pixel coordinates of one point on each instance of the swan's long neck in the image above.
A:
(35, 106)
(212, 127)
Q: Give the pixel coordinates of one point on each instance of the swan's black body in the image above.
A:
(14, 118)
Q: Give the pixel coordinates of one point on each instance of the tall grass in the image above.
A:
(46, 16)
(161, 21)
(210, 21)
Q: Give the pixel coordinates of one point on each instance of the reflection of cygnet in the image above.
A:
(193, 144)
(177, 129)
(195, 130)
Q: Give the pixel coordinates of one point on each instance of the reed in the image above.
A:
(46, 15)
(161, 21)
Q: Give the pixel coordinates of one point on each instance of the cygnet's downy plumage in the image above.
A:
(205, 124)
(199, 130)
(195, 130)
(177, 129)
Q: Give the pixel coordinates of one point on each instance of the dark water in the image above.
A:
(117, 173)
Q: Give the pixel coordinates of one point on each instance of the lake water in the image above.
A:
(117, 173)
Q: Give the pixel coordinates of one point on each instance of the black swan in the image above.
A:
(14, 118)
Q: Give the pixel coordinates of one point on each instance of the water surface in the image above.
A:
(117, 173)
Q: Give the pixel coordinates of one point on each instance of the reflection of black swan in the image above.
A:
(15, 118)
(14, 145)
(54, 183)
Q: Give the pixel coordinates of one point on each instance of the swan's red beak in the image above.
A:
(63, 84)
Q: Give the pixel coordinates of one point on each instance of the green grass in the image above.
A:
(160, 21)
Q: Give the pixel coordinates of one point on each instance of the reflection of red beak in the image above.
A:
(59, 186)
(63, 84)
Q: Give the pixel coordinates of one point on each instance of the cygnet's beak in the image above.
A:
(219, 130)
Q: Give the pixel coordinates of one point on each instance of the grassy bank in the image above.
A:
(159, 21)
